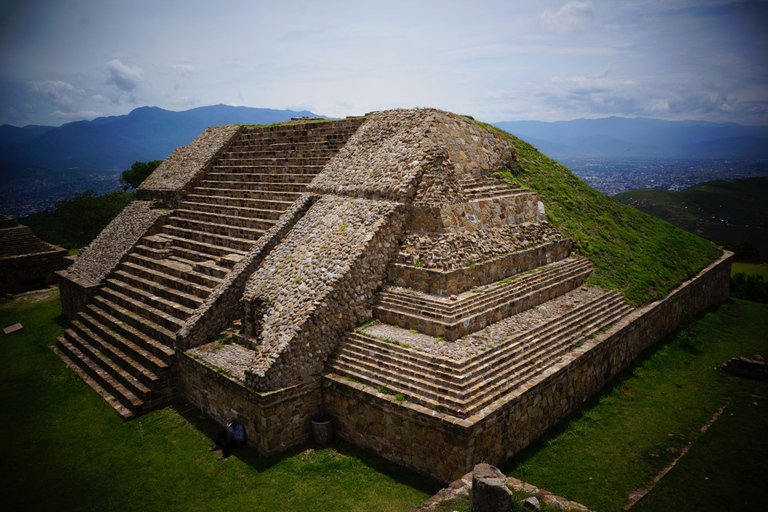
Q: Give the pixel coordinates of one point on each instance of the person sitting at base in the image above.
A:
(229, 438)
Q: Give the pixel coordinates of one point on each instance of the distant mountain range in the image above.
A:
(114, 143)
(640, 137)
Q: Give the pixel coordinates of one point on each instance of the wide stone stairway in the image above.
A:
(123, 342)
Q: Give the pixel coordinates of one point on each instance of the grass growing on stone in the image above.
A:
(637, 426)
(639, 255)
(66, 449)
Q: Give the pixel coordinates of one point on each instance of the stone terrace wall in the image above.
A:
(273, 421)
(476, 215)
(424, 437)
(317, 283)
(219, 308)
(463, 149)
(186, 164)
(79, 282)
(456, 281)
(511, 425)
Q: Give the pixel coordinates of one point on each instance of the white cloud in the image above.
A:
(573, 17)
(184, 69)
(62, 95)
(124, 77)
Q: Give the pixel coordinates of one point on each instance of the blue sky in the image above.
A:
(68, 60)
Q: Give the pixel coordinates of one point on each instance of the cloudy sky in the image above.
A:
(549, 60)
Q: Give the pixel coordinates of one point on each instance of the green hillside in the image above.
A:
(635, 253)
(726, 212)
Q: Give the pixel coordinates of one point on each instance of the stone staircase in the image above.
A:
(464, 387)
(483, 187)
(123, 343)
(472, 311)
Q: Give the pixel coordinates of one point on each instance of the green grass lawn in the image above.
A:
(68, 450)
(750, 269)
(624, 436)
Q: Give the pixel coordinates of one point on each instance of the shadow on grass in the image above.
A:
(251, 457)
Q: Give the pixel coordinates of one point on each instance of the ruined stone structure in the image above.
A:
(26, 262)
(375, 268)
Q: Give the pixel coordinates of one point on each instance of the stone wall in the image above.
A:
(411, 435)
(424, 438)
(220, 307)
(476, 215)
(453, 282)
(25, 260)
(179, 172)
(317, 283)
(81, 280)
(273, 421)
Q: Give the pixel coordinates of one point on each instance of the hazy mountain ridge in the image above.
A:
(616, 136)
(114, 143)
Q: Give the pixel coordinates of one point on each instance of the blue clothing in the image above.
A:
(230, 438)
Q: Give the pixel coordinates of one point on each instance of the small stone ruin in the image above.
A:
(380, 269)
(26, 262)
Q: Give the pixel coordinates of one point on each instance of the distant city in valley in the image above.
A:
(608, 175)
(615, 175)
(40, 165)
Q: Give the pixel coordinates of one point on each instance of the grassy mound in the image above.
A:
(641, 256)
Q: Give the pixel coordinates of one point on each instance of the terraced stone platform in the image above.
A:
(378, 268)
(125, 339)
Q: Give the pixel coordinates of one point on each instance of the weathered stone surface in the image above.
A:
(105, 252)
(489, 490)
(317, 283)
(187, 163)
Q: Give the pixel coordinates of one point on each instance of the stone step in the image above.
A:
(146, 310)
(215, 244)
(149, 297)
(278, 176)
(111, 346)
(248, 185)
(440, 307)
(463, 395)
(160, 337)
(252, 213)
(234, 194)
(111, 399)
(106, 376)
(170, 280)
(241, 202)
(242, 237)
(186, 271)
(285, 145)
(460, 371)
(156, 350)
(435, 316)
(154, 289)
(279, 164)
(250, 152)
(224, 219)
